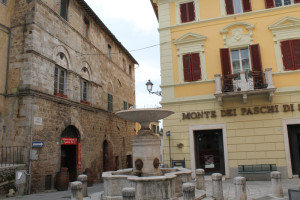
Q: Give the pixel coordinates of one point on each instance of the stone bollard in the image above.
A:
(83, 180)
(188, 191)
(76, 193)
(217, 189)
(276, 184)
(200, 184)
(128, 193)
(240, 188)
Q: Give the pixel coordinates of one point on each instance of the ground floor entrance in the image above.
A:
(294, 141)
(209, 151)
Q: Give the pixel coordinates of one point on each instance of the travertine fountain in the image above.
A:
(148, 179)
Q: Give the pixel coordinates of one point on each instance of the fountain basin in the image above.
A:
(167, 186)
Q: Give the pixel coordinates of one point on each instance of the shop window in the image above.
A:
(290, 50)
(59, 81)
(86, 27)
(191, 67)
(279, 3)
(187, 12)
(64, 7)
(110, 102)
(237, 6)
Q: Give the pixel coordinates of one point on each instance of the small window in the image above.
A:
(130, 105)
(109, 51)
(191, 67)
(64, 4)
(237, 6)
(110, 102)
(279, 3)
(59, 80)
(130, 70)
(187, 12)
(153, 128)
(85, 89)
(4, 2)
(86, 28)
(124, 105)
(290, 50)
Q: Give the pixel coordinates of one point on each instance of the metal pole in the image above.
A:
(170, 150)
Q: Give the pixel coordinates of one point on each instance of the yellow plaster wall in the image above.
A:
(211, 29)
(251, 139)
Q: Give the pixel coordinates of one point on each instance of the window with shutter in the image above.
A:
(191, 67)
(237, 6)
(187, 12)
(256, 65)
(290, 50)
(279, 3)
(64, 4)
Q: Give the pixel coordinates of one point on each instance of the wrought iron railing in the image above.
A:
(253, 80)
(11, 155)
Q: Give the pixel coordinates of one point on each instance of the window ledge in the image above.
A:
(286, 72)
(85, 102)
(61, 95)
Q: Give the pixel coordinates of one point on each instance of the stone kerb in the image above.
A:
(76, 191)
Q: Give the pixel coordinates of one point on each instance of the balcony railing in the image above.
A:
(244, 84)
(11, 155)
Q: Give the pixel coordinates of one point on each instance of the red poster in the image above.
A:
(79, 157)
(68, 141)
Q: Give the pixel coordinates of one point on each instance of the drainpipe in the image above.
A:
(31, 135)
(7, 60)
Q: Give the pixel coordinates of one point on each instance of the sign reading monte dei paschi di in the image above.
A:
(230, 71)
(243, 111)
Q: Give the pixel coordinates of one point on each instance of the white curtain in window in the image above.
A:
(237, 6)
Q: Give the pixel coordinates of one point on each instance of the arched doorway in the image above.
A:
(107, 156)
(70, 151)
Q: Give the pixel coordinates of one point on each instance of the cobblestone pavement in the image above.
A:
(256, 190)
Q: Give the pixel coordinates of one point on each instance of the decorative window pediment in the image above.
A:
(287, 22)
(189, 38)
(237, 34)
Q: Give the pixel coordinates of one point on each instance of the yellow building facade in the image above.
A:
(230, 71)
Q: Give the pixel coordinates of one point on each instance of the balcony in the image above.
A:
(244, 84)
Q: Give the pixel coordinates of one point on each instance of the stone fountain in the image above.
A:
(148, 179)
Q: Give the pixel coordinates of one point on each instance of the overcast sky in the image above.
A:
(134, 24)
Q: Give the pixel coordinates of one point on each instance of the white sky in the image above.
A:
(134, 24)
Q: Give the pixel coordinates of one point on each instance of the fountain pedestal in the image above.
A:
(146, 154)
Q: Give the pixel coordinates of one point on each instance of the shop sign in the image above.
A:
(68, 141)
(79, 157)
(242, 111)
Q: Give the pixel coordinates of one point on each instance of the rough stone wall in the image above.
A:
(38, 37)
(7, 178)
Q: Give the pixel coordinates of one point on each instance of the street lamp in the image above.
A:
(149, 86)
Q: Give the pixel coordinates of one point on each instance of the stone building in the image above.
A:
(67, 75)
(230, 72)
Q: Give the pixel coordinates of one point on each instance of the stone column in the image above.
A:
(240, 188)
(217, 189)
(188, 191)
(83, 180)
(128, 193)
(200, 184)
(76, 191)
(269, 78)
(218, 83)
(276, 184)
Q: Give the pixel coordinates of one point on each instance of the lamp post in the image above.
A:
(168, 133)
(149, 86)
